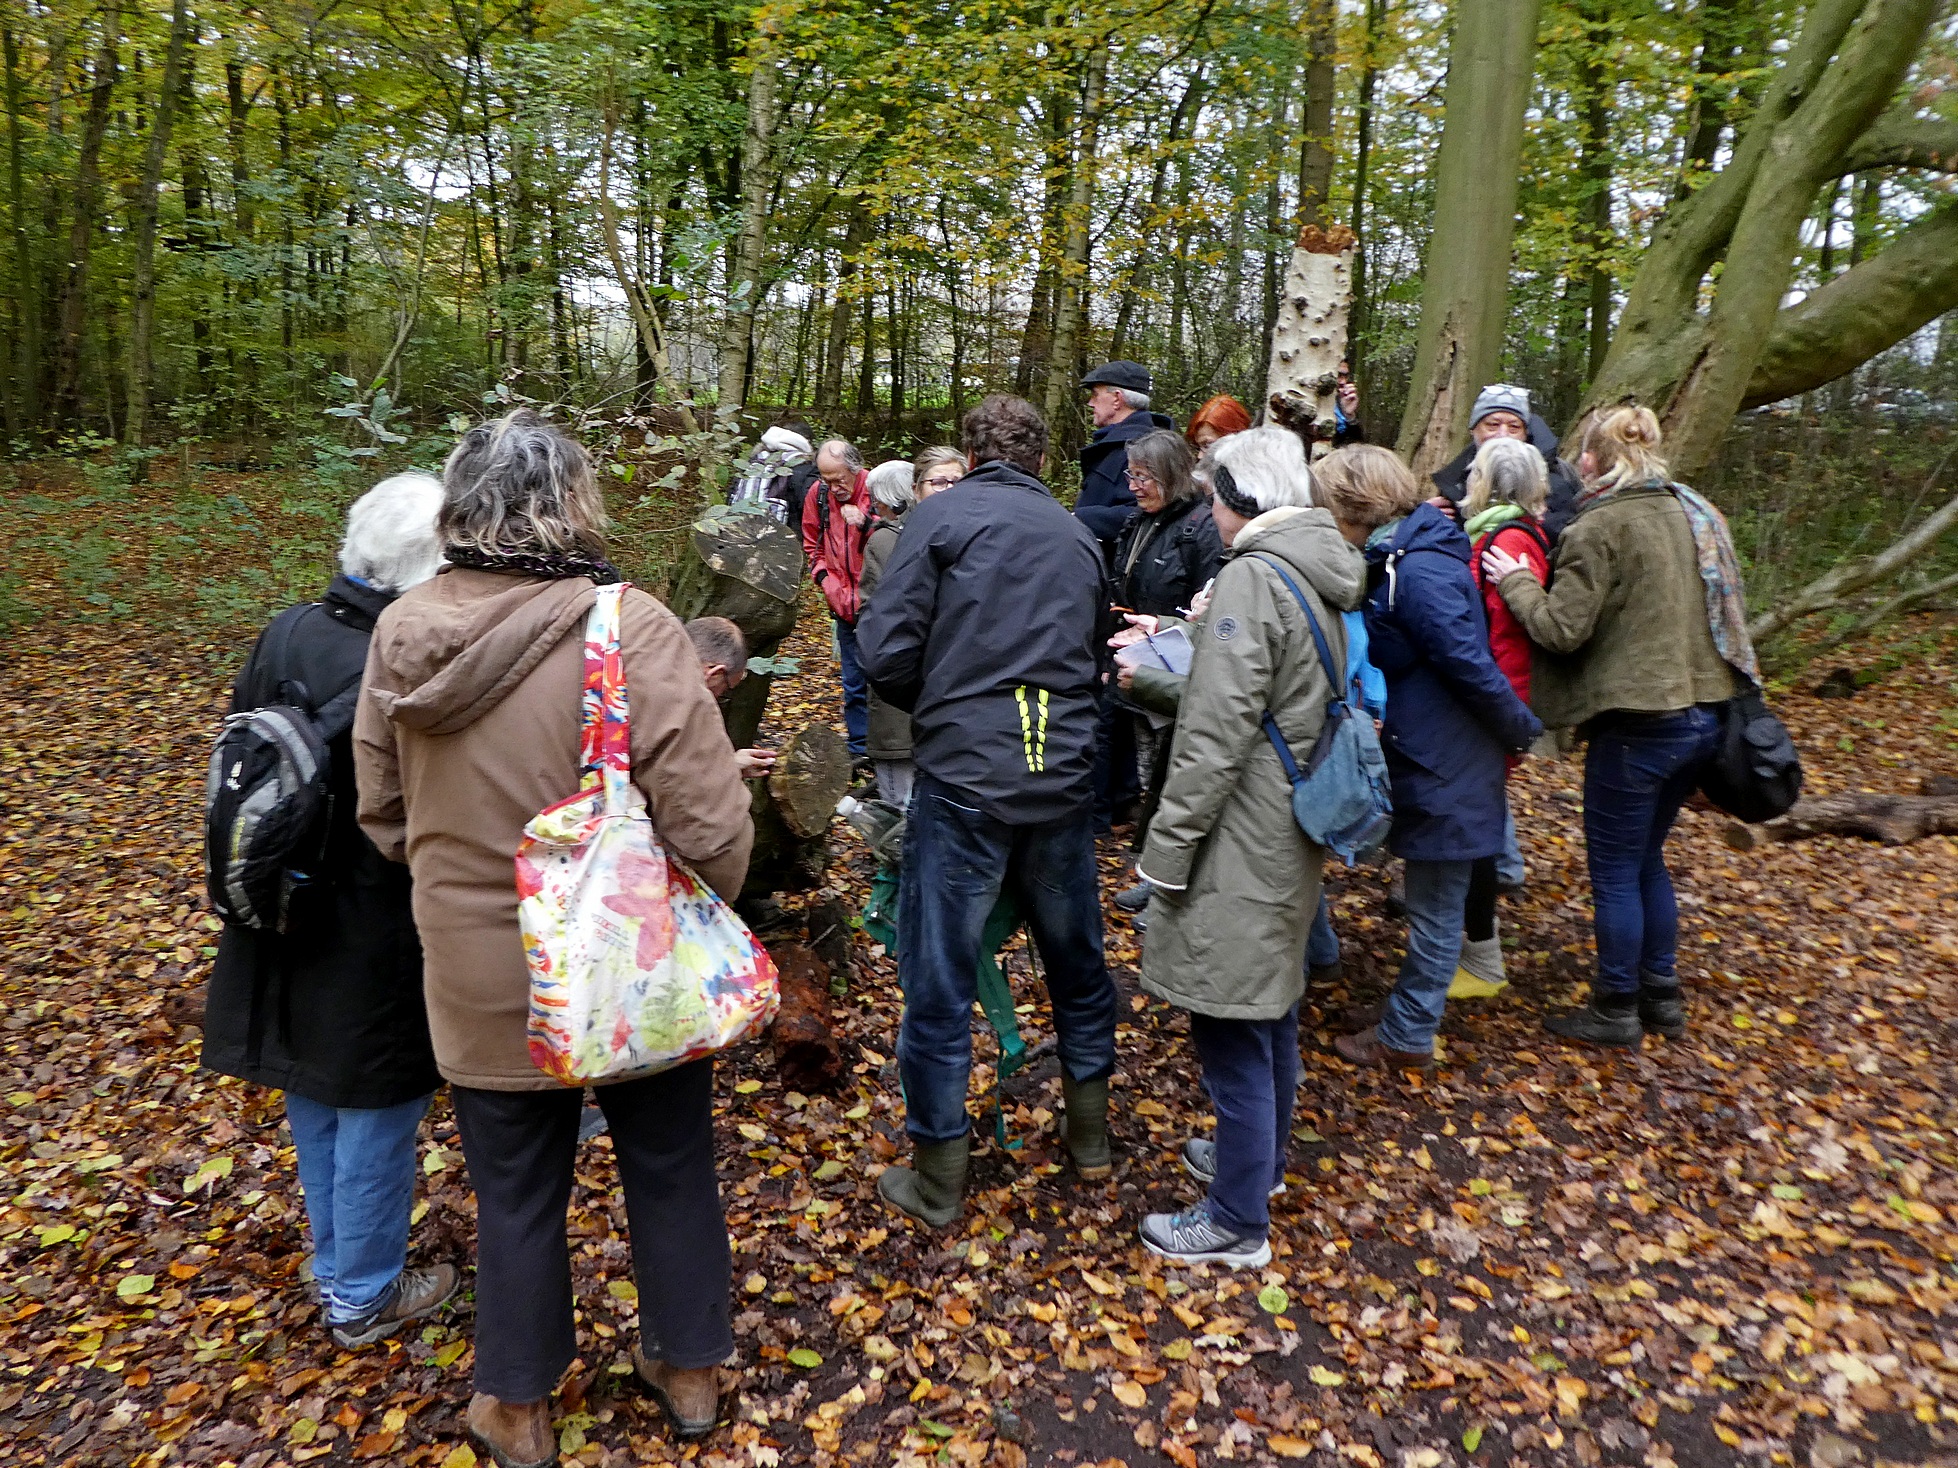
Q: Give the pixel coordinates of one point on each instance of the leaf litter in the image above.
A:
(1742, 1248)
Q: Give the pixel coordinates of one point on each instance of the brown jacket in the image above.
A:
(467, 727)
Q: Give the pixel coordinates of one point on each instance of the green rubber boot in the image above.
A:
(932, 1189)
(1086, 1103)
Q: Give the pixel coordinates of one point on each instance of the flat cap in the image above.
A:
(1129, 376)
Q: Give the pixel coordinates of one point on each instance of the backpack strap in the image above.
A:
(1334, 673)
(335, 715)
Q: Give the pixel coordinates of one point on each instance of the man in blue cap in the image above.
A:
(1118, 401)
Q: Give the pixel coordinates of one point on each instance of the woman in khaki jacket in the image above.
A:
(468, 726)
(1638, 637)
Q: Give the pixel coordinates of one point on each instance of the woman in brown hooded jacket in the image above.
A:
(468, 726)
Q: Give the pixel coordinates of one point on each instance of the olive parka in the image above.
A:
(1237, 882)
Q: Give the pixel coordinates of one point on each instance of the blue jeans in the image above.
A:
(856, 692)
(1637, 774)
(956, 860)
(1510, 870)
(1322, 944)
(1251, 1070)
(357, 1169)
(1437, 898)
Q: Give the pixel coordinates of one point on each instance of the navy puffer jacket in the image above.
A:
(1451, 714)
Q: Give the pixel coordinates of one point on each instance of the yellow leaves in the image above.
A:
(1191, 1320)
(1423, 1159)
(746, 1088)
(754, 1284)
(623, 1289)
(1476, 1286)
(1146, 1107)
(1326, 1376)
(752, 1132)
(208, 1174)
(1178, 1349)
(1872, 1292)
(1726, 1434)
(1288, 1447)
(1428, 1267)
(460, 1456)
(1551, 1289)
(1099, 1285)
(881, 1349)
(1130, 1394)
(1571, 1392)
(1044, 1312)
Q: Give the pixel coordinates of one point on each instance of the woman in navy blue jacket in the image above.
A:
(1452, 717)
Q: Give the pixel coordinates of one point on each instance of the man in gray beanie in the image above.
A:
(1502, 410)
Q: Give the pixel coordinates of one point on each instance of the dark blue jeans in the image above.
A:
(1637, 774)
(956, 859)
(856, 692)
(1117, 781)
(1251, 1070)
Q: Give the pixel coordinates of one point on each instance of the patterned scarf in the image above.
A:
(549, 565)
(1713, 548)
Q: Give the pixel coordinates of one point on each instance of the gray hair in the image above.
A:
(1268, 464)
(890, 484)
(520, 483)
(1506, 471)
(843, 449)
(391, 542)
(1165, 456)
(1136, 400)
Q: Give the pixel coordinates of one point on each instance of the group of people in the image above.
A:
(978, 625)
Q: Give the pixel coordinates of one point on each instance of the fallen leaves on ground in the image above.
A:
(1741, 1248)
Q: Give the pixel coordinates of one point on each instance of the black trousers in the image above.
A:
(520, 1147)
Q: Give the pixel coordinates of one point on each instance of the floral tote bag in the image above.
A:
(635, 964)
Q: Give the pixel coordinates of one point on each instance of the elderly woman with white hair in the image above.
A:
(468, 728)
(1236, 881)
(329, 1010)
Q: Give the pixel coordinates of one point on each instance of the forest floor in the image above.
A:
(1741, 1248)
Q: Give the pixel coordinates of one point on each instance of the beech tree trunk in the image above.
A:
(142, 306)
(1823, 115)
(1071, 295)
(745, 285)
(1316, 141)
(1465, 295)
(73, 313)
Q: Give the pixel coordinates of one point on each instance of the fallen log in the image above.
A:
(807, 1056)
(792, 810)
(1895, 820)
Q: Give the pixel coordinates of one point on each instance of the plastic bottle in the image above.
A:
(880, 825)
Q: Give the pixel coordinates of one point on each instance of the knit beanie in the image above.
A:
(1501, 397)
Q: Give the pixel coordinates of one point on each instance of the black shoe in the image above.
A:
(1662, 1011)
(1618, 1027)
(1322, 975)
(1133, 899)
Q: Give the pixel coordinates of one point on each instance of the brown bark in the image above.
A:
(142, 309)
(1894, 820)
(1316, 143)
(72, 317)
(807, 1057)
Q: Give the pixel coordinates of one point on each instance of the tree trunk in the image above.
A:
(1316, 143)
(1594, 166)
(200, 230)
(142, 308)
(1309, 341)
(24, 402)
(1359, 321)
(745, 285)
(855, 236)
(1465, 292)
(1152, 213)
(1071, 309)
(645, 319)
(73, 316)
(1893, 820)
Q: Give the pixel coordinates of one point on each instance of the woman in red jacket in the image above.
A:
(1508, 486)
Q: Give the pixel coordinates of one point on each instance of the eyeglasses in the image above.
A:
(1141, 480)
(941, 481)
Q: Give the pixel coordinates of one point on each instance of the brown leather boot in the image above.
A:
(691, 1400)
(514, 1434)
(1365, 1049)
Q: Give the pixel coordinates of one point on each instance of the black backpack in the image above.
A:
(1755, 773)
(267, 802)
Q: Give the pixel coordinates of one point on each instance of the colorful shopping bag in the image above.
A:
(636, 966)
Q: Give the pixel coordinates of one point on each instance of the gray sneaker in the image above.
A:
(1133, 899)
(1193, 1237)
(1200, 1162)
(414, 1293)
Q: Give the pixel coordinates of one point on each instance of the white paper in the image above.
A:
(1168, 649)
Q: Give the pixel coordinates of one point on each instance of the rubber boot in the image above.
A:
(1480, 974)
(1086, 1104)
(932, 1188)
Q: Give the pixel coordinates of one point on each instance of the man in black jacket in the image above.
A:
(1503, 410)
(1118, 401)
(988, 627)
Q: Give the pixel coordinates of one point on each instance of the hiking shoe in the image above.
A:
(1324, 975)
(414, 1293)
(514, 1434)
(1200, 1162)
(1365, 1049)
(1661, 1011)
(1193, 1237)
(691, 1400)
(1133, 899)
(1618, 1027)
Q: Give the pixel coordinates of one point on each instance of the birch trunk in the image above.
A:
(1309, 340)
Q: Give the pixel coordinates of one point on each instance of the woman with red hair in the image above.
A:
(1219, 418)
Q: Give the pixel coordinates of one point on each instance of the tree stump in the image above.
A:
(1892, 819)
(793, 808)
(807, 1057)
(747, 566)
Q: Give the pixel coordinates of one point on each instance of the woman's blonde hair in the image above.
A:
(1365, 485)
(930, 458)
(1506, 471)
(1624, 444)
(521, 483)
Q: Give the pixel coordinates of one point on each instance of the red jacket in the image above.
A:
(1507, 640)
(835, 546)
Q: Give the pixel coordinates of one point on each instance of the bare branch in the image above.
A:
(1904, 141)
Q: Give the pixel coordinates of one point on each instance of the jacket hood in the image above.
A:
(1310, 545)
(463, 641)
(1000, 472)
(358, 606)
(1425, 529)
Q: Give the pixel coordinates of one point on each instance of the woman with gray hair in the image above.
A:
(469, 727)
(329, 1008)
(895, 486)
(1236, 881)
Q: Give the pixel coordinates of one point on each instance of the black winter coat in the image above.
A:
(331, 1009)
(1164, 559)
(1452, 478)
(990, 625)
(1106, 503)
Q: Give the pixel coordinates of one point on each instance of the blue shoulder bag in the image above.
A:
(1341, 799)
